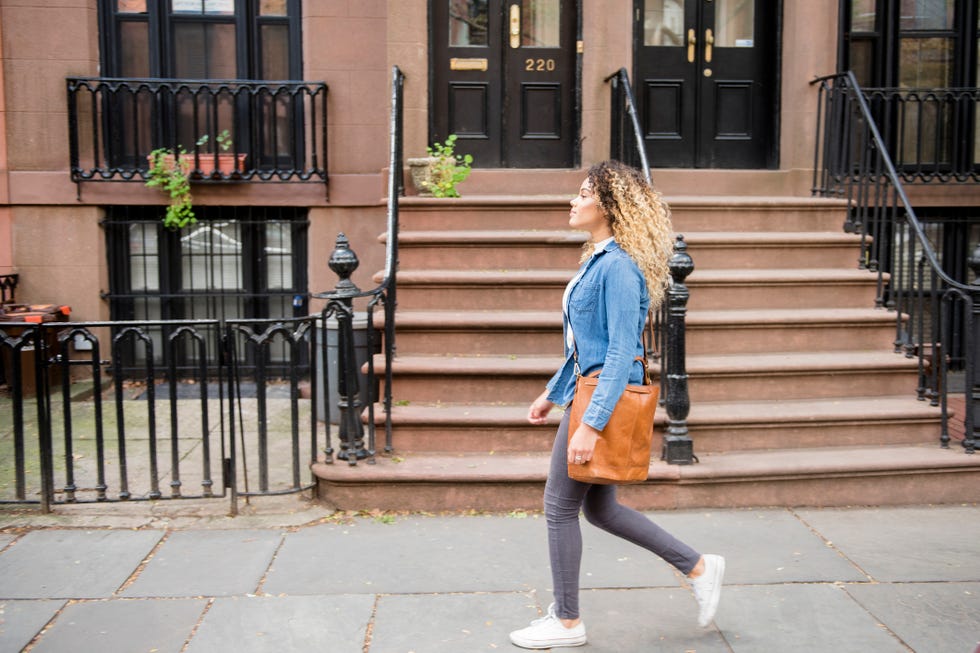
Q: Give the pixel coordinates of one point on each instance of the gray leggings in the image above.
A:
(563, 498)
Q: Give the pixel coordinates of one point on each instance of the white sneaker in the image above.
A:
(707, 588)
(549, 632)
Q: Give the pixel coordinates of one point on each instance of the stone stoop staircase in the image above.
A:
(797, 397)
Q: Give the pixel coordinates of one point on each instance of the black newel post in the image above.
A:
(343, 261)
(972, 417)
(678, 449)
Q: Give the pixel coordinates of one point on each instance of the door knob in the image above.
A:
(709, 40)
(691, 42)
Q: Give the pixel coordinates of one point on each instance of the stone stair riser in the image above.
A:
(476, 298)
(715, 296)
(831, 490)
(490, 257)
(721, 339)
(801, 384)
(748, 256)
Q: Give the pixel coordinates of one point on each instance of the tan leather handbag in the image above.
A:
(622, 453)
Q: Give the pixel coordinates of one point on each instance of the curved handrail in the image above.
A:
(892, 174)
(623, 80)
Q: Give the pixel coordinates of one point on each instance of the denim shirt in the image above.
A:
(607, 309)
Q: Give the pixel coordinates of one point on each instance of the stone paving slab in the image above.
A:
(414, 555)
(21, 621)
(76, 564)
(449, 623)
(207, 563)
(905, 544)
(760, 546)
(812, 617)
(160, 626)
(928, 617)
(658, 620)
(337, 624)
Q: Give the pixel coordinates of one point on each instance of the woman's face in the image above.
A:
(586, 214)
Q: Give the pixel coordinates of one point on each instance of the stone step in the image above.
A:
(822, 477)
(547, 249)
(689, 213)
(723, 332)
(788, 289)
(481, 289)
(733, 377)
(780, 376)
(714, 426)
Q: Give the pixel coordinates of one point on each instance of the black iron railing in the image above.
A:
(223, 129)
(666, 333)
(344, 261)
(928, 131)
(625, 135)
(937, 316)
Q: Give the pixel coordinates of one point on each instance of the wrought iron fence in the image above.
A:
(82, 428)
(928, 131)
(937, 316)
(222, 129)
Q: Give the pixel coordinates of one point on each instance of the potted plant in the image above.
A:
(169, 174)
(438, 174)
(228, 163)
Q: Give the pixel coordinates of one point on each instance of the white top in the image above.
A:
(569, 336)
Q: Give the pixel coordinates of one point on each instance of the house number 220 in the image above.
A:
(539, 65)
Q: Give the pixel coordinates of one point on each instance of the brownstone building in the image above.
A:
(728, 113)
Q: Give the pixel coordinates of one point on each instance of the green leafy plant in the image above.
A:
(449, 170)
(223, 140)
(169, 173)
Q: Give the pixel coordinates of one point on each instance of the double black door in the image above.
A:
(504, 80)
(704, 73)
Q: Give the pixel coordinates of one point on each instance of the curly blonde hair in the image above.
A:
(640, 221)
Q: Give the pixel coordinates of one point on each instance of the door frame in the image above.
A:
(576, 95)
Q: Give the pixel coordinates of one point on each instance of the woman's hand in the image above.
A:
(582, 444)
(540, 407)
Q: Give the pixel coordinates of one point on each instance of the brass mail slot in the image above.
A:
(467, 64)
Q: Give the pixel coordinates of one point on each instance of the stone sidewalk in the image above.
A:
(292, 576)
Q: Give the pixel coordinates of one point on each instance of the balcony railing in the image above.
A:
(932, 132)
(268, 130)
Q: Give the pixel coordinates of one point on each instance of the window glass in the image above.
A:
(663, 22)
(211, 257)
(468, 21)
(131, 6)
(272, 8)
(540, 23)
(275, 51)
(734, 23)
(861, 61)
(926, 14)
(278, 256)
(862, 15)
(144, 266)
(134, 49)
(226, 7)
(204, 51)
(925, 63)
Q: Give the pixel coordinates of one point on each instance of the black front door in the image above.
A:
(705, 82)
(504, 80)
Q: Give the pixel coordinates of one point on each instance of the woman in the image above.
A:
(624, 269)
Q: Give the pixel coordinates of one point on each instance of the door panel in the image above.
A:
(504, 80)
(705, 77)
